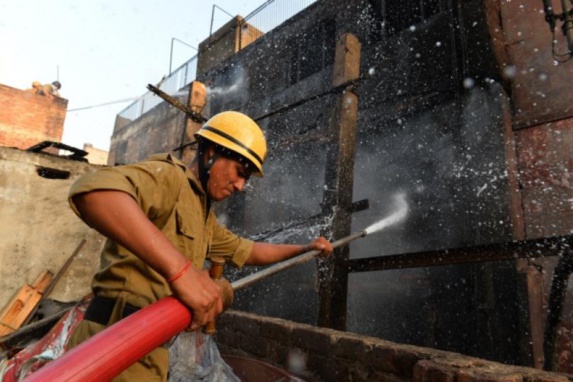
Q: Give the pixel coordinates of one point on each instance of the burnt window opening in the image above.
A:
(52, 173)
(312, 51)
(401, 15)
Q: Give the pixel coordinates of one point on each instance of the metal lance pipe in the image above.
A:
(108, 353)
(400, 213)
(300, 259)
(113, 350)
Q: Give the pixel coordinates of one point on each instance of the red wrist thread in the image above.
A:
(180, 273)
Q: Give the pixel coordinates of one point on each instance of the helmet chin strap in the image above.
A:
(205, 169)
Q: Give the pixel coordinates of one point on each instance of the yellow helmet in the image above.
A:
(238, 133)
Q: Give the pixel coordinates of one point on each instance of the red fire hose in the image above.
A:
(107, 354)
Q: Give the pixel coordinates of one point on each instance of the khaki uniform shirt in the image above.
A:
(174, 200)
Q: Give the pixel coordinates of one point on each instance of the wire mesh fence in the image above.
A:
(265, 18)
(274, 12)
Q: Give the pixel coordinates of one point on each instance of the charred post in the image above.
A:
(197, 102)
(339, 183)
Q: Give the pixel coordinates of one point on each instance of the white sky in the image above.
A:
(102, 50)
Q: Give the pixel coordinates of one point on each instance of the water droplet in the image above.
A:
(469, 83)
(510, 71)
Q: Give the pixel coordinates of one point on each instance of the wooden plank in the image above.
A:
(346, 60)
(42, 282)
(12, 311)
(197, 102)
(52, 283)
(22, 304)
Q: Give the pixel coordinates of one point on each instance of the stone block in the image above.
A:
(256, 345)
(311, 338)
(277, 330)
(330, 369)
(350, 348)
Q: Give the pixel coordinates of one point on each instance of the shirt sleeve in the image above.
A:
(152, 184)
(230, 246)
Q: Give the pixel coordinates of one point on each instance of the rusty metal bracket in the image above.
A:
(175, 102)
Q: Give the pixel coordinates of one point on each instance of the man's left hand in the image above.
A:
(322, 245)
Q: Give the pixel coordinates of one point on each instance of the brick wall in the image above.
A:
(27, 119)
(546, 164)
(329, 355)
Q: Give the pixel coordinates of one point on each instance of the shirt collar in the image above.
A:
(193, 181)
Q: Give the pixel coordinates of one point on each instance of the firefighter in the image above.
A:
(52, 90)
(160, 228)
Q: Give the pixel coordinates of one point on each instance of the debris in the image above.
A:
(14, 314)
(55, 280)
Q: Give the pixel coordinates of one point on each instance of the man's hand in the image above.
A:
(269, 253)
(200, 294)
(320, 244)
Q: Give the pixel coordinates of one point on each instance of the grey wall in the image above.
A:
(39, 231)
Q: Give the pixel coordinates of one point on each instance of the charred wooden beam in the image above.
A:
(336, 89)
(197, 101)
(529, 249)
(339, 182)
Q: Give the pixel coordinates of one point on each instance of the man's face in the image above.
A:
(226, 177)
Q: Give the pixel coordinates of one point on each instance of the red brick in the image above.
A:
(27, 119)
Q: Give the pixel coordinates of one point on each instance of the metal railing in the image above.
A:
(265, 18)
(274, 12)
(172, 84)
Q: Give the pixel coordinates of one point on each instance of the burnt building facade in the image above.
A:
(456, 107)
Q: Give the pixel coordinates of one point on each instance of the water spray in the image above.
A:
(397, 216)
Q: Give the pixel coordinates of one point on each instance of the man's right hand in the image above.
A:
(117, 215)
(200, 294)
